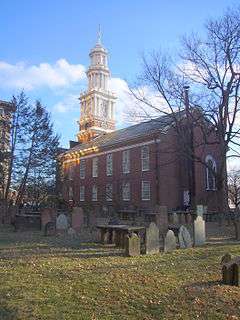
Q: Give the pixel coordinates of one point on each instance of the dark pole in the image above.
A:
(190, 155)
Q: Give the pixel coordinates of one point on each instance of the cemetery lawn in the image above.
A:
(55, 278)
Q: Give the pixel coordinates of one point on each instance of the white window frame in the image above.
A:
(126, 191)
(109, 164)
(209, 157)
(146, 195)
(82, 193)
(94, 193)
(109, 192)
(95, 167)
(126, 161)
(145, 158)
(82, 168)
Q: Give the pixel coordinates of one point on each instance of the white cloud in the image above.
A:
(30, 77)
(69, 103)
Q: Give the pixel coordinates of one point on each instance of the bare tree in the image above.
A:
(210, 66)
(234, 187)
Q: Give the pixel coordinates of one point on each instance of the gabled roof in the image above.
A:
(143, 129)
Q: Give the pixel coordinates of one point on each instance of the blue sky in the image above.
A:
(45, 45)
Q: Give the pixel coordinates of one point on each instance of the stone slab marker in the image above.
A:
(199, 232)
(152, 239)
(200, 210)
(77, 218)
(170, 243)
(162, 219)
(62, 222)
(237, 229)
(132, 245)
(184, 238)
(174, 218)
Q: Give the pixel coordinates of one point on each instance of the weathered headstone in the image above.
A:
(62, 222)
(132, 245)
(231, 272)
(226, 258)
(170, 242)
(152, 239)
(162, 219)
(50, 229)
(71, 232)
(237, 229)
(200, 210)
(199, 232)
(77, 218)
(184, 238)
(174, 218)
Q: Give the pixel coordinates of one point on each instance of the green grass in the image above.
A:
(56, 278)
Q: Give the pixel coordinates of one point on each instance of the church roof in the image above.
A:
(143, 129)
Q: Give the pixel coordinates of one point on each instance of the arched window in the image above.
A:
(211, 169)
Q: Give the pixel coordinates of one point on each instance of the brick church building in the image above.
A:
(132, 168)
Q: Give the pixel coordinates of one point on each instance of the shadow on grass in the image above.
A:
(7, 313)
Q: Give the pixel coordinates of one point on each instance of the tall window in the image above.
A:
(145, 190)
(126, 191)
(109, 192)
(94, 193)
(145, 158)
(126, 161)
(95, 167)
(70, 173)
(82, 168)
(109, 164)
(82, 193)
(211, 169)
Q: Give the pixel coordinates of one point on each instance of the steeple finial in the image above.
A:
(99, 35)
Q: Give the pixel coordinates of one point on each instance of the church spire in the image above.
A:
(97, 103)
(99, 35)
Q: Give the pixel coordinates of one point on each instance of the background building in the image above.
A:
(132, 169)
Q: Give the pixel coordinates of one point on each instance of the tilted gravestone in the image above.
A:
(152, 239)
(170, 242)
(199, 232)
(62, 222)
(132, 245)
(184, 238)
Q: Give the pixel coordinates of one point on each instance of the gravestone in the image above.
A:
(237, 229)
(162, 219)
(72, 233)
(174, 218)
(62, 222)
(199, 232)
(77, 218)
(132, 245)
(231, 272)
(200, 210)
(170, 242)
(50, 229)
(226, 258)
(152, 239)
(184, 238)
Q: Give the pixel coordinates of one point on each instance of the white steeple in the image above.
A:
(97, 103)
